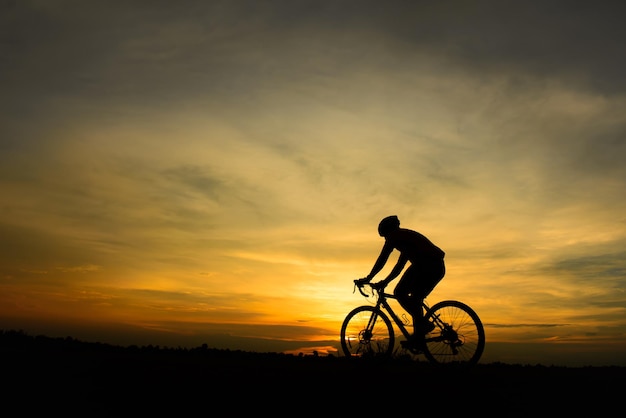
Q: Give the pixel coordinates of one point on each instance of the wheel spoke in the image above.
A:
(366, 332)
(459, 337)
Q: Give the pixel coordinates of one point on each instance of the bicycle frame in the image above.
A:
(382, 303)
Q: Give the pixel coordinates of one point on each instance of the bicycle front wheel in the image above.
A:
(458, 336)
(367, 332)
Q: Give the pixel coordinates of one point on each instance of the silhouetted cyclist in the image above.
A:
(426, 270)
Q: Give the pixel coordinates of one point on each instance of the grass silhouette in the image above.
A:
(76, 378)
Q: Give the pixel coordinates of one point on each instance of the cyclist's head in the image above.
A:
(387, 225)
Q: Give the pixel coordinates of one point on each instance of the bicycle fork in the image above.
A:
(366, 334)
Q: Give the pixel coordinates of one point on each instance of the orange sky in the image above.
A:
(214, 172)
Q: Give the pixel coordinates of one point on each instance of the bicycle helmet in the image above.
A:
(388, 224)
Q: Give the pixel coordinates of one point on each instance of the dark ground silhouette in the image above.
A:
(74, 378)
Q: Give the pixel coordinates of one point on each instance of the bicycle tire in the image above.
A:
(461, 341)
(359, 341)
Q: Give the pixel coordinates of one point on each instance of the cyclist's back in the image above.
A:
(415, 246)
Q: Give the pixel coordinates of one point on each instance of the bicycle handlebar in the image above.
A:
(360, 284)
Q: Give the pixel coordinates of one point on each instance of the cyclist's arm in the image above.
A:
(380, 261)
(397, 269)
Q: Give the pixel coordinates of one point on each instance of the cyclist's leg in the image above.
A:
(432, 273)
(407, 293)
(416, 284)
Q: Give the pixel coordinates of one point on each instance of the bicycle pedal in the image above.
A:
(412, 345)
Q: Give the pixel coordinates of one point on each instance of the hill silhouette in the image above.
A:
(76, 378)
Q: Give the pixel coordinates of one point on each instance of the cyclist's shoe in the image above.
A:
(414, 343)
(425, 327)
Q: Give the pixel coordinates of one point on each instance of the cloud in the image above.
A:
(79, 269)
(254, 146)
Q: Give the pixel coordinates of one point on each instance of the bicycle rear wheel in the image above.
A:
(458, 337)
(367, 332)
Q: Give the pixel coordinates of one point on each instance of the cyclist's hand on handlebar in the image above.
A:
(361, 282)
(378, 285)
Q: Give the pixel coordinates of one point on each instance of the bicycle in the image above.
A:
(458, 335)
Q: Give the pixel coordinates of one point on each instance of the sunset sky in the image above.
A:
(186, 172)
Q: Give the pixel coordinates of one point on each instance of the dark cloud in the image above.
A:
(575, 41)
(596, 266)
(197, 179)
(146, 48)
